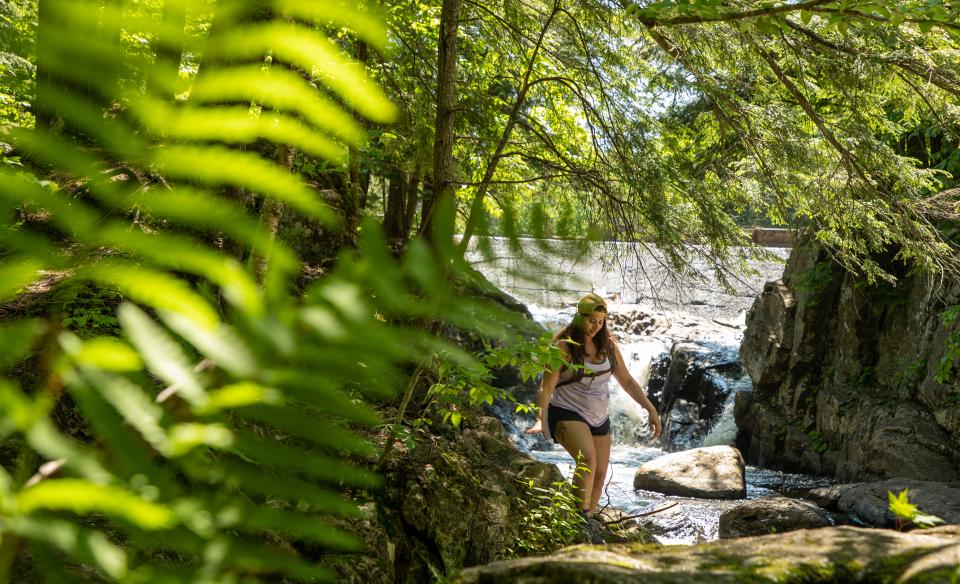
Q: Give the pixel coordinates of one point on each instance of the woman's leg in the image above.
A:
(575, 437)
(601, 445)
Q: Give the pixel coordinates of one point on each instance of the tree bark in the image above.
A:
(412, 198)
(272, 211)
(443, 197)
(166, 67)
(394, 212)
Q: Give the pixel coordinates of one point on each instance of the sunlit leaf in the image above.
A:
(163, 356)
(108, 353)
(84, 497)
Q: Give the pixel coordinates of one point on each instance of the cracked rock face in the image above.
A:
(844, 376)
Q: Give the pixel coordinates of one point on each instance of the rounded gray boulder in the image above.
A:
(714, 472)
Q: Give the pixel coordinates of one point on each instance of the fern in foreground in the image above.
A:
(222, 430)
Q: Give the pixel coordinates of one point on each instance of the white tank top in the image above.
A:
(589, 396)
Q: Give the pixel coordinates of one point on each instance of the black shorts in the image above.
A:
(556, 414)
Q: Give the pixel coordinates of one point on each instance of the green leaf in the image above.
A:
(17, 274)
(299, 525)
(900, 505)
(92, 547)
(805, 17)
(107, 353)
(238, 395)
(155, 289)
(163, 356)
(19, 411)
(84, 497)
(17, 338)
(186, 437)
(222, 345)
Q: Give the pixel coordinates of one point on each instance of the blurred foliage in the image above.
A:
(226, 411)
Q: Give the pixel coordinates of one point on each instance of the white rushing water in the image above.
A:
(699, 311)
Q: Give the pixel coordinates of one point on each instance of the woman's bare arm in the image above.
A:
(633, 389)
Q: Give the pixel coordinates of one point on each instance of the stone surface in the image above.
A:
(844, 375)
(453, 500)
(868, 503)
(830, 554)
(771, 515)
(829, 497)
(715, 472)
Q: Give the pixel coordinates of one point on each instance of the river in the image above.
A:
(651, 312)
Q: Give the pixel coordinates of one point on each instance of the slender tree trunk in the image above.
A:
(393, 214)
(272, 210)
(412, 198)
(166, 67)
(443, 197)
(477, 207)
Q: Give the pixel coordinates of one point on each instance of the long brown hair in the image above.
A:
(576, 332)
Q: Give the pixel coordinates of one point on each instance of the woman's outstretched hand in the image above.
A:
(655, 426)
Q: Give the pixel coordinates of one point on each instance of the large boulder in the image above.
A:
(845, 374)
(830, 554)
(454, 499)
(771, 515)
(714, 472)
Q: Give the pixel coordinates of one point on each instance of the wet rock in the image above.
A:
(867, 503)
(829, 554)
(633, 320)
(659, 368)
(715, 472)
(694, 391)
(771, 515)
(682, 427)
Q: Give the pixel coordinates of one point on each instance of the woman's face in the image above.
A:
(593, 323)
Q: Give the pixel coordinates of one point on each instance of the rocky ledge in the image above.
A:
(845, 375)
(830, 554)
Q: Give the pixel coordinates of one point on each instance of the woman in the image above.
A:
(574, 399)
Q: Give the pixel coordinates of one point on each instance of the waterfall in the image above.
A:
(724, 432)
(628, 419)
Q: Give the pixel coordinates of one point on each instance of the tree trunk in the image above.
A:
(442, 201)
(413, 196)
(166, 67)
(394, 212)
(272, 210)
